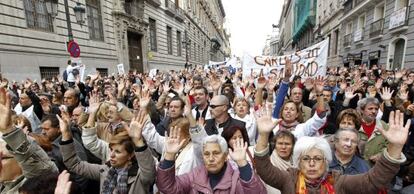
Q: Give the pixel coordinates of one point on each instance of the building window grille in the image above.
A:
(153, 34)
(48, 72)
(37, 16)
(169, 40)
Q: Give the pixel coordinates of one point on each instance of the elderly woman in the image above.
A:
(215, 176)
(311, 158)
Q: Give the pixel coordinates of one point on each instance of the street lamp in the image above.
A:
(52, 9)
(79, 13)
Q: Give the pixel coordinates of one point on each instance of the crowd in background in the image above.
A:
(209, 130)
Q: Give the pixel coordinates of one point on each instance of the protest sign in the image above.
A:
(309, 62)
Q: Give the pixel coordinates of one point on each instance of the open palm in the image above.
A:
(172, 142)
(5, 116)
(239, 150)
(397, 133)
(265, 123)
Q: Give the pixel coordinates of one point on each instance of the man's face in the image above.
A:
(25, 100)
(50, 132)
(346, 143)
(370, 112)
(9, 167)
(327, 95)
(113, 115)
(217, 108)
(77, 112)
(69, 99)
(332, 82)
(296, 95)
(200, 97)
(214, 158)
(174, 109)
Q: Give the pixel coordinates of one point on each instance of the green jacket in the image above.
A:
(373, 145)
(33, 160)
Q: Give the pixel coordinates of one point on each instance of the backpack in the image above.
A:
(65, 75)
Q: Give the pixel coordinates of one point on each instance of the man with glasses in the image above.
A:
(344, 158)
(221, 119)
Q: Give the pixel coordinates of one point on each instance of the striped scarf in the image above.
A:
(112, 181)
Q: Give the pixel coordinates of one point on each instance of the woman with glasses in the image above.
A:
(311, 158)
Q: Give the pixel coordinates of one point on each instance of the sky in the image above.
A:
(249, 22)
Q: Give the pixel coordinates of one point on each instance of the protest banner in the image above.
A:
(309, 62)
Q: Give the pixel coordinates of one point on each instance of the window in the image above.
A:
(48, 72)
(102, 71)
(169, 40)
(179, 41)
(37, 16)
(349, 28)
(361, 22)
(399, 4)
(379, 12)
(93, 10)
(153, 34)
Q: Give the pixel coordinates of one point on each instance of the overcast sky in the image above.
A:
(249, 22)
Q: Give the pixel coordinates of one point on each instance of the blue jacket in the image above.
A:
(280, 98)
(356, 166)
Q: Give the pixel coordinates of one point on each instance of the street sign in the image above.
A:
(73, 49)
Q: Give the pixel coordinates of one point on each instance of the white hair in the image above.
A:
(305, 144)
(216, 139)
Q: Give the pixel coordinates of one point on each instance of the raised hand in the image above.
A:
(166, 87)
(398, 74)
(173, 142)
(386, 94)
(261, 82)
(64, 124)
(28, 83)
(136, 126)
(5, 109)
(93, 102)
(378, 84)
(145, 98)
(308, 83)
(238, 154)
(319, 83)
(403, 94)
(349, 93)
(63, 185)
(288, 69)
(396, 134)
(265, 123)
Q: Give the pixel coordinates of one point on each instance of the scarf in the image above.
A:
(325, 183)
(112, 181)
(288, 126)
(279, 162)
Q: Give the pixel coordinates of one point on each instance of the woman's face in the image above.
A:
(347, 123)
(313, 164)
(119, 157)
(289, 112)
(112, 114)
(135, 104)
(214, 158)
(241, 108)
(284, 147)
(236, 135)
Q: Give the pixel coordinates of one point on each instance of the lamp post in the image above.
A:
(52, 9)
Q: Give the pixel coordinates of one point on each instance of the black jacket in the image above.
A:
(211, 127)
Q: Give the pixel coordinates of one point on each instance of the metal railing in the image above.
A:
(376, 28)
(347, 40)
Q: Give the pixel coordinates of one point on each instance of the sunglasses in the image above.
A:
(215, 106)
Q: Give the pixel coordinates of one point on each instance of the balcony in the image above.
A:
(170, 8)
(348, 5)
(347, 40)
(376, 28)
(359, 35)
(399, 20)
(155, 3)
(132, 9)
(180, 14)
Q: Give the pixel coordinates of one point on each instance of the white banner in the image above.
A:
(309, 62)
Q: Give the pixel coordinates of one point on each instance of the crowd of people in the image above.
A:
(210, 130)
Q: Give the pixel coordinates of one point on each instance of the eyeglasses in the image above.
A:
(316, 159)
(215, 106)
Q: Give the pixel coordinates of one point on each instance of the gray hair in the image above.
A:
(336, 135)
(218, 140)
(305, 144)
(365, 101)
